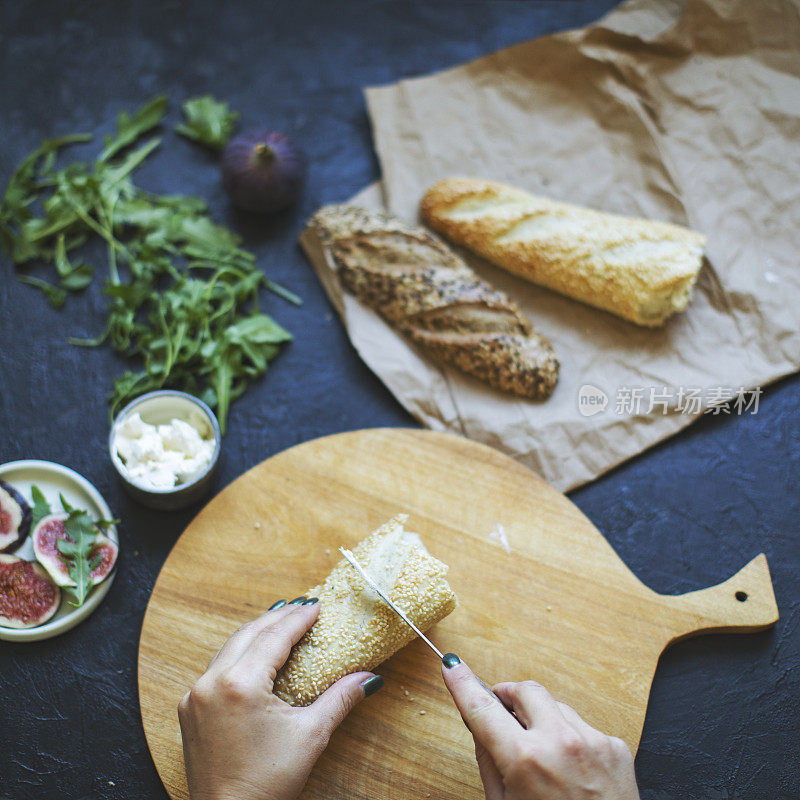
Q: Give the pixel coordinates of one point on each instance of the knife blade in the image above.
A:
(360, 570)
(351, 559)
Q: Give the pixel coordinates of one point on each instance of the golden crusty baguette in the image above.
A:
(355, 629)
(429, 294)
(636, 268)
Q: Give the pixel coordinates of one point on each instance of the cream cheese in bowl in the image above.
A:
(162, 456)
(165, 446)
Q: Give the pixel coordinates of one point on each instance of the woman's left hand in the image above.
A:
(240, 742)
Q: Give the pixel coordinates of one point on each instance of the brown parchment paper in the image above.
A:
(686, 112)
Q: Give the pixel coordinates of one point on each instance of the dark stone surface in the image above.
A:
(723, 719)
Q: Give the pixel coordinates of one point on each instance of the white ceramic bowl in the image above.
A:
(54, 480)
(158, 408)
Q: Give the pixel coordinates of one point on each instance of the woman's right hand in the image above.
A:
(547, 752)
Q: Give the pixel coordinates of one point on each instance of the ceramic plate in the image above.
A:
(53, 479)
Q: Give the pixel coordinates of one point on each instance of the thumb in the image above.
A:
(337, 701)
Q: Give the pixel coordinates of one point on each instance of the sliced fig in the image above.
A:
(28, 595)
(45, 536)
(104, 553)
(15, 518)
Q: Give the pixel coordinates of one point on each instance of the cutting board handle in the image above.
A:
(745, 602)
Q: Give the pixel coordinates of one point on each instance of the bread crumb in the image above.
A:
(256, 524)
(327, 551)
(499, 533)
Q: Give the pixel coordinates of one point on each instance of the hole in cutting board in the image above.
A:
(741, 596)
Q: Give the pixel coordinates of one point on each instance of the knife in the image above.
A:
(360, 570)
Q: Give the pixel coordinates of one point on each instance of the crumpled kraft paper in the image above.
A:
(686, 112)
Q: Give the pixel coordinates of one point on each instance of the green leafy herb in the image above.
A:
(23, 190)
(73, 278)
(183, 295)
(208, 121)
(77, 552)
(41, 508)
(130, 128)
(54, 295)
(77, 547)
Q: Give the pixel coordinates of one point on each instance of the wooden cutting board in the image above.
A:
(558, 605)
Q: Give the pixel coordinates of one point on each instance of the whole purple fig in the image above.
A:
(263, 171)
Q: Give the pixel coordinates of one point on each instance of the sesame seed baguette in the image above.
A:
(429, 294)
(640, 270)
(355, 629)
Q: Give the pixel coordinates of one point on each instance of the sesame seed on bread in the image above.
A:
(355, 629)
(636, 268)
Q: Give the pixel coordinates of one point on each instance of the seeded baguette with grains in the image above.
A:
(355, 629)
(640, 270)
(429, 294)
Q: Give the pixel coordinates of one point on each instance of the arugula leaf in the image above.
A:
(41, 508)
(208, 121)
(80, 529)
(258, 329)
(54, 295)
(22, 191)
(72, 278)
(183, 295)
(114, 174)
(130, 128)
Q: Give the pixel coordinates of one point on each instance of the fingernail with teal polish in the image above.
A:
(311, 601)
(450, 660)
(298, 600)
(279, 604)
(371, 685)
